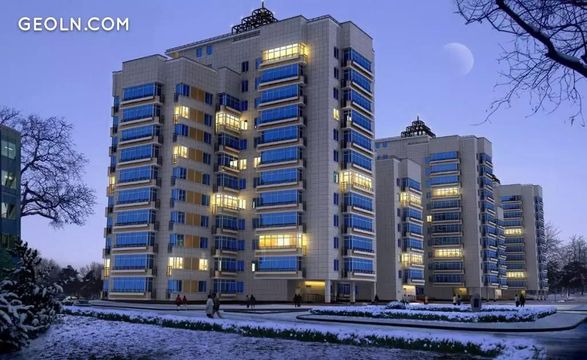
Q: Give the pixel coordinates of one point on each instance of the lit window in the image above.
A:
(180, 151)
(516, 274)
(408, 198)
(285, 52)
(229, 121)
(336, 114)
(106, 267)
(513, 231)
(181, 111)
(440, 253)
(276, 241)
(228, 201)
(350, 178)
(445, 192)
(256, 161)
(409, 259)
(203, 265)
(428, 218)
(175, 262)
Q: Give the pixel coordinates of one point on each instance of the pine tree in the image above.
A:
(13, 331)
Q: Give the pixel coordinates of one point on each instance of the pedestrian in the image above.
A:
(216, 308)
(185, 302)
(178, 301)
(248, 300)
(376, 300)
(295, 300)
(454, 300)
(517, 299)
(210, 306)
(522, 300)
(459, 300)
(253, 300)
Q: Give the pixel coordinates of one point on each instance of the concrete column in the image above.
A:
(374, 291)
(353, 288)
(327, 284)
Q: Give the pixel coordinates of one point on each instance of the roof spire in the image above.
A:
(259, 17)
(418, 128)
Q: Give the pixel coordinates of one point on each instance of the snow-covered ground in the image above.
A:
(78, 337)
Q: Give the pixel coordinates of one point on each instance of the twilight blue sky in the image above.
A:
(69, 75)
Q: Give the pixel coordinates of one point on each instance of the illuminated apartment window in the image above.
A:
(242, 164)
(516, 275)
(275, 241)
(407, 198)
(175, 262)
(408, 259)
(181, 111)
(111, 183)
(228, 201)
(285, 52)
(180, 151)
(445, 192)
(440, 253)
(514, 231)
(229, 121)
(428, 218)
(351, 178)
(256, 161)
(336, 114)
(203, 264)
(106, 267)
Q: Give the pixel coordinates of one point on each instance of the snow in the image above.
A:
(441, 312)
(77, 337)
(521, 348)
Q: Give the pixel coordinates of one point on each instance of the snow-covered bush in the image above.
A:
(13, 331)
(506, 314)
(28, 293)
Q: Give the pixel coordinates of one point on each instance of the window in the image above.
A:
(206, 179)
(336, 73)
(455, 252)
(203, 264)
(7, 210)
(335, 114)
(335, 134)
(277, 114)
(244, 85)
(335, 93)
(335, 242)
(336, 266)
(209, 50)
(8, 179)
(335, 155)
(8, 149)
(141, 91)
(284, 52)
(244, 66)
(280, 93)
(282, 72)
(199, 52)
(202, 286)
(335, 198)
(279, 263)
(335, 220)
(336, 52)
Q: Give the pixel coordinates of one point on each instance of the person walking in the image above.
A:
(178, 301)
(253, 300)
(454, 300)
(210, 307)
(522, 300)
(185, 302)
(517, 299)
(459, 300)
(216, 308)
(248, 301)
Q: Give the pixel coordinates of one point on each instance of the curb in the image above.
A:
(439, 326)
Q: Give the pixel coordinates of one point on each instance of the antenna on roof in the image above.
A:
(263, 4)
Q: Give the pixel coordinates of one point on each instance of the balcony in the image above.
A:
(157, 119)
(134, 271)
(292, 53)
(152, 249)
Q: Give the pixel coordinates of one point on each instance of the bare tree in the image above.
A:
(576, 250)
(547, 56)
(51, 170)
(552, 243)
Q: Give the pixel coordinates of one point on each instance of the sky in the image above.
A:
(70, 75)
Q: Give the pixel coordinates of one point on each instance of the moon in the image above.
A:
(459, 58)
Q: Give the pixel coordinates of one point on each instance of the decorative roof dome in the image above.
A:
(258, 18)
(418, 128)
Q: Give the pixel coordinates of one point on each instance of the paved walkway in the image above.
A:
(261, 308)
(555, 322)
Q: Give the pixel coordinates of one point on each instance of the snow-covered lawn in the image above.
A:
(438, 312)
(445, 343)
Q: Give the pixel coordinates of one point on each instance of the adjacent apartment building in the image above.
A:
(9, 187)
(524, 237)
(449, 210)
(244, 164)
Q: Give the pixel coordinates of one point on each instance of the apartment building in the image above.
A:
(464, 247)
(400, 234)
(9, 188)
(524, 237)
(244, 164)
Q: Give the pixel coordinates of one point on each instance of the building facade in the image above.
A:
(464, 245)
(524, 237)
(244, 164)
(9, 187)
(400, 233)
